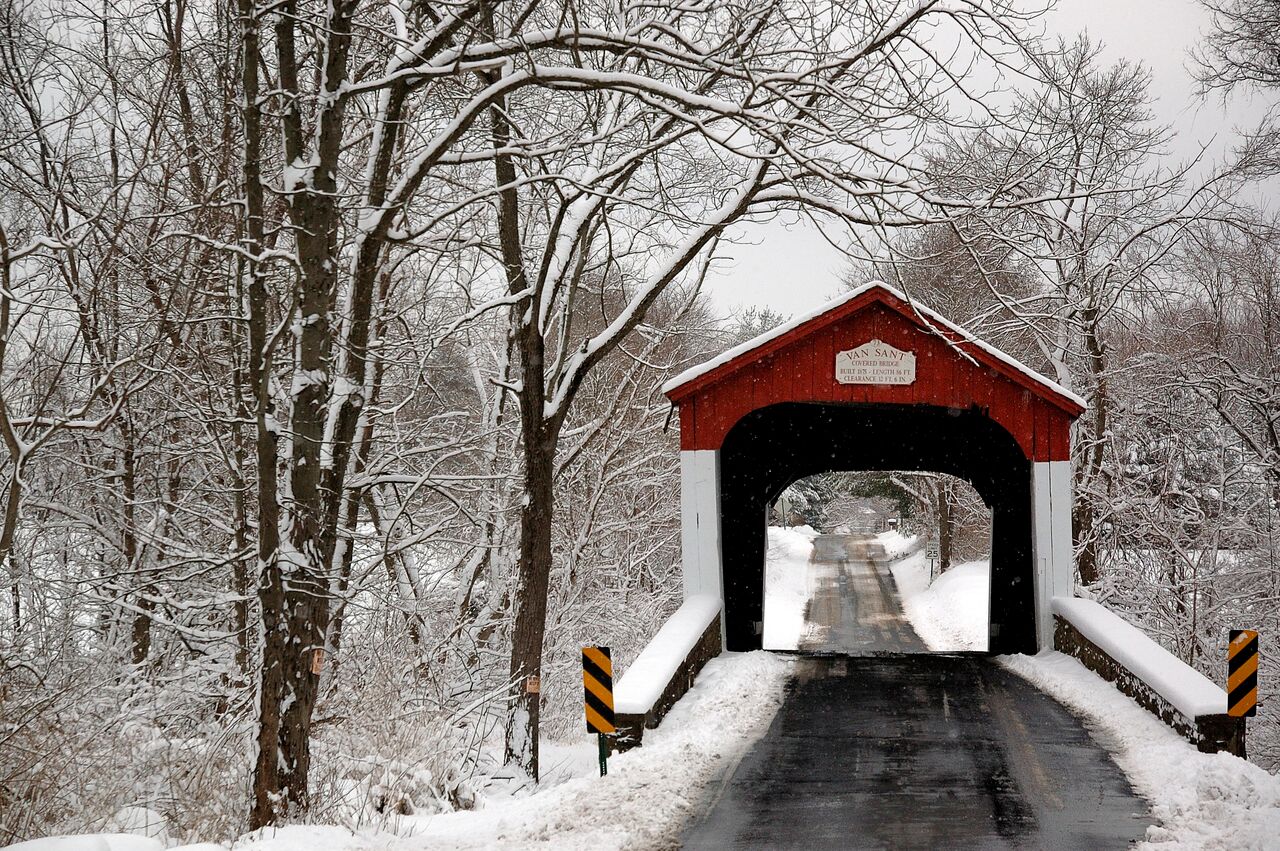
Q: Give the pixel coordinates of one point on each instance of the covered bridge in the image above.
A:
(875, 381)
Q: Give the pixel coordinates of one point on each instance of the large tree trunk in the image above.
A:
(538, 437)
(267, 792)
(240, 582)
(13, 497)
(304, 567)
(530, 617)
(140, 629)
(1084, 516)
(8, 551)
(1082, 523)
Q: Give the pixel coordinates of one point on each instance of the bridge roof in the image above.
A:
(926, 320)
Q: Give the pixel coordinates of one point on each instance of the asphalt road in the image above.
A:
(913, 750)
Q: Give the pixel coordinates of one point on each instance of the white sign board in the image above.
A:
(876, 363)
(932, 550)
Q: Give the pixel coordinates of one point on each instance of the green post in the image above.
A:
(604, 754)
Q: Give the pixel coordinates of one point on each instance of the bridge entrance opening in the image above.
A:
(774, 446)
(866, 563)
(875, 381)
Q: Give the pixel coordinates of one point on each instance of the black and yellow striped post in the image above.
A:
(597, 688)
(1242, 673)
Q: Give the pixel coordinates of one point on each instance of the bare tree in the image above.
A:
(1100, 221)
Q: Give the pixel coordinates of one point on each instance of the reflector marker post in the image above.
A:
(1242, 673)
(597, 690)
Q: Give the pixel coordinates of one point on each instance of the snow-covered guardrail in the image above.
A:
(1178, 694)
(665, 669)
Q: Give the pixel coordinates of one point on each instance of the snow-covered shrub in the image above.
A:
(87, 744)
(393, 737)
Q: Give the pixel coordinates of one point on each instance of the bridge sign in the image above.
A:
(876, 362)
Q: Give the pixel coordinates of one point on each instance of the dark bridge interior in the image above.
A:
(774, 446)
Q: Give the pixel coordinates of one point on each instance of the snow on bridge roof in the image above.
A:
(745, 353)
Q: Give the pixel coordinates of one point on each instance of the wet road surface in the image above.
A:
(912, 751)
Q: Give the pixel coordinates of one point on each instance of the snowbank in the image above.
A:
(897, 545)
(648, 676)
(1203, 801)
(952, 613)
(644, 802)
(90, 842)
(130, 829)
(786, 585)
(1185, 688)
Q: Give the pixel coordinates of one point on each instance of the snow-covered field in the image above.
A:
(644, 802)
(1202, 801)
(786, 585)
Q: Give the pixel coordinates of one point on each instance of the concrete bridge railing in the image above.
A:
(665, 670)
(1169, 688)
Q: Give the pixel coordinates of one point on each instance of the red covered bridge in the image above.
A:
(873, 381)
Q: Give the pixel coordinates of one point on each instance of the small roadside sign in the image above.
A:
(597, 687)
(932, 551)
(1242, 673)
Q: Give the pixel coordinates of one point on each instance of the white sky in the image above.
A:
(791, 268)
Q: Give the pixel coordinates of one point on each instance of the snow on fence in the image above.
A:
(1178, 694)
(666, 669)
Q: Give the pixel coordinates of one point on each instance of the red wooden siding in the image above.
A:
(799, 366)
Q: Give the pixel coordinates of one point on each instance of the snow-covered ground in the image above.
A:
(896, 544)
(951, 613)
(786, 585)
(1202, 801)
(100, 842)
(644, 802)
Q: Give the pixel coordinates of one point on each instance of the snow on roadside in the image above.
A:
(951, 614)
(644, 803)
(651, 792)
(1203, 801)
(90, 842)
(896, 545)
(786, 585)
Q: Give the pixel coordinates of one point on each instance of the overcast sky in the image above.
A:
(791, 268)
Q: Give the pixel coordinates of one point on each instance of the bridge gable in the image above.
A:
(797, 363)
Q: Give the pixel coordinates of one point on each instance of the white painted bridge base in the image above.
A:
(1051, 542)
(700, 522)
